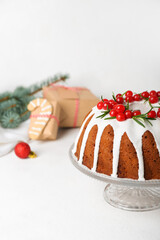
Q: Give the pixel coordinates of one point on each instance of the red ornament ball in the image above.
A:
(22, 150)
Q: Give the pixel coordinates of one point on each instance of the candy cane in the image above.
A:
(40, 120)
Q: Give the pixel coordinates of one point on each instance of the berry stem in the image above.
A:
(113, 95)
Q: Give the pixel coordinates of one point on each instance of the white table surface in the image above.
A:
(106, 46)
(48, 198)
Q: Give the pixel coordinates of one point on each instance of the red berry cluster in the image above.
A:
(128, 96)
(152, 96)
(122, 114)
(117, 110)
(106, 104)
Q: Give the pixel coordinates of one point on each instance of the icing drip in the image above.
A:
(133, 130)
(116, 149)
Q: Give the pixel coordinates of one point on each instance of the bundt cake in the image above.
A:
(121, 137)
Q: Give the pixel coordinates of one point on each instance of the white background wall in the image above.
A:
(105, 45)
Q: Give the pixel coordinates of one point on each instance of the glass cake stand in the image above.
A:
(126, 194)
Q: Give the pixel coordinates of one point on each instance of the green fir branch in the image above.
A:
(109, 118)
(104, 114)
(137, 121)
(13, 105)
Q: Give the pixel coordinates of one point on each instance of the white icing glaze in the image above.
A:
(81, 129)
(133, 130)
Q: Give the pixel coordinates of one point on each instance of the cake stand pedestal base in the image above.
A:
(132, 198)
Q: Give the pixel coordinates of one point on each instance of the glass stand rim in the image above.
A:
(109, 179)
(126, 194)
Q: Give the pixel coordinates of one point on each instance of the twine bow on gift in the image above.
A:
(77, 90)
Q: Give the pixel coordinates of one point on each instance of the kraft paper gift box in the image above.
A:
(44, 119)
(75, 103)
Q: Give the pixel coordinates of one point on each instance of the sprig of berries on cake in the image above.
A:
(120, 137)
(121, 107)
